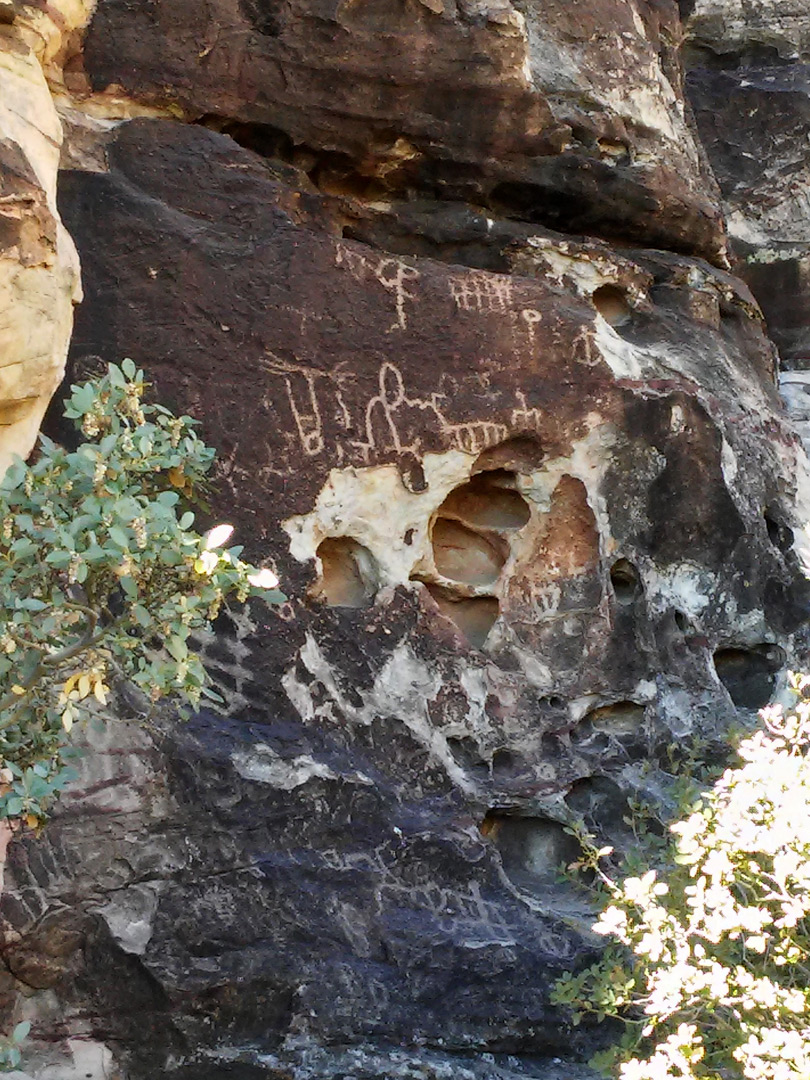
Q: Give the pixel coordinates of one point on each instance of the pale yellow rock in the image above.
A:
(39, 267)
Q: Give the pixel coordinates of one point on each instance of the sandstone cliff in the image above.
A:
(469, 295)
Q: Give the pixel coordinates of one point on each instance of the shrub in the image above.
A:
(709, 961)
(103, 578)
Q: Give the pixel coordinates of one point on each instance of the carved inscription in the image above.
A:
(393, 274)
(328, 418)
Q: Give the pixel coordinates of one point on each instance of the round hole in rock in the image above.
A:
(463, 555)
(749, 674)
(682, 622)
(488, 500)
(622, 721)
(779, 533)
(349, 575)
(467, 753)
(532, 849)
(474, 616)
(611, 303)
(505, 763)
(625, 581)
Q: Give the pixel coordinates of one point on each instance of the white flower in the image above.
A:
(218, 536)
(263, 579)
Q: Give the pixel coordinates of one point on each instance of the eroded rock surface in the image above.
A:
(39, 273)
(750, 88)
(448, 289)
(551, 114)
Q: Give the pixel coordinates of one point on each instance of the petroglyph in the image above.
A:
(482, 292)
(390, 423)
(531, 318)
(393, 274)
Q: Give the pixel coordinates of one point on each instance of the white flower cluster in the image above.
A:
(715, 964)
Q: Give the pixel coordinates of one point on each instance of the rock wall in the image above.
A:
(451, 289)
(39, 273)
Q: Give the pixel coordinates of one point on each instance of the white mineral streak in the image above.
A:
(90, 1060)
(130, 916)
(262, 764)
(403, 688)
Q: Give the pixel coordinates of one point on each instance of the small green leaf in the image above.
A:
(21, 1031)
(142, 615)
(130, 587)
(119, 537)
(116, 376)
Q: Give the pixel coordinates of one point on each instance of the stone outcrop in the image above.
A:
(449, 288)
(749, 84)
(39, 273)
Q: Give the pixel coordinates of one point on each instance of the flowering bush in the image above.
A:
(709, 961)
(103, 578)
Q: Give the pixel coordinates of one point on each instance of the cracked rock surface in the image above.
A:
(449, 287)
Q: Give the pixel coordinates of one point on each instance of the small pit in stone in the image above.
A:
(474, 616)
(533, 850)
(611, 303)
(462, 555)
(505, 764)
(349, 574)
(611, 728)
(489, 501)
(625, 581)
(749, 674)
(779, 533)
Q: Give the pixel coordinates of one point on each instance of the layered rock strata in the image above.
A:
(39, 273)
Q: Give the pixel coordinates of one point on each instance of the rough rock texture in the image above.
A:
(750, 88)
(555, 112)
(533, 495)
(39, 273)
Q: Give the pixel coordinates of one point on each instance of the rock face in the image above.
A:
(39, 273)
(448, 288)
(540, 111)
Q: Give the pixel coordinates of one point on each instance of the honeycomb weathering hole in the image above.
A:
(749, 675)
(465, 556)
(611, 303)
(474, 616)
(625, 581)
(779, 532)
(489, 500)
(349, 573)
(532, 849)
(623, 721)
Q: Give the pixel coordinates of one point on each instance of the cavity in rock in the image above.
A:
(611, 303)
(488, 500)
(466, 556)
(625, 581)
(349, 575)
(749, 675)
(533, 850)
(474, 616)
